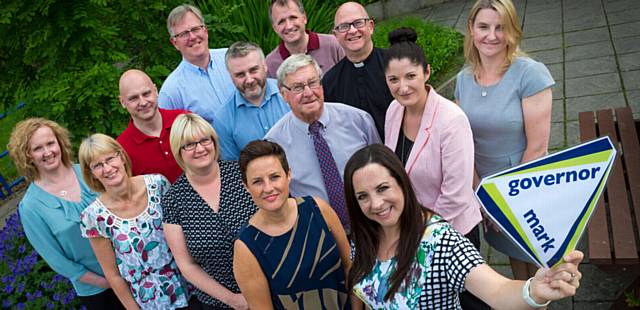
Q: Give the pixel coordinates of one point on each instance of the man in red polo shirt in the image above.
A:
(146, 139)
(289, 21)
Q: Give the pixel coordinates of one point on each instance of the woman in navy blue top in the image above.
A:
(294, 252)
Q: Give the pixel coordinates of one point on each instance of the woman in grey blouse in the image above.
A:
(507, 98)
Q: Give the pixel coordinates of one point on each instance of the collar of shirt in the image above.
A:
(189, 66)
(139, 137)
(366, 61)
(313, 44)
(271, 89)
(325, 120)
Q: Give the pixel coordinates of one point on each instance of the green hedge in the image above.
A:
(440, 44)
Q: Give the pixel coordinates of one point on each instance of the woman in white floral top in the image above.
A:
(406, 257)
(124, 226)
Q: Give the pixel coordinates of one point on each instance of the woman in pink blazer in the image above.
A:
(432, 137)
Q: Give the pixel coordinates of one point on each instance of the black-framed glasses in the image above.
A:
(192, 145)
(358, 23)
(111, 160)
(185, 34)
(299, 87)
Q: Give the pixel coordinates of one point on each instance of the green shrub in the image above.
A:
(441, 44)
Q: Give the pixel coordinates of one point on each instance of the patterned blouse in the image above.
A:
(442, 263)
(142, 255)
(210, 235)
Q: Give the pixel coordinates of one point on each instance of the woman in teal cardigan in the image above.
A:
(50, 209)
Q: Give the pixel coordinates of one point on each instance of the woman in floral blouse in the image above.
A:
(406, 257)
(124, 226)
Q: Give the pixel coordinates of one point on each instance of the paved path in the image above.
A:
(592, 48)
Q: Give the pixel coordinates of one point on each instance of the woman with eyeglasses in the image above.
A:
(50, 209)
(124, 227)
(204, 211)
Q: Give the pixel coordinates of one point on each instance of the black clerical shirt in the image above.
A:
(361, 85)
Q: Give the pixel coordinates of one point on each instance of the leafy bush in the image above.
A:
(440, 44)
(26, 281)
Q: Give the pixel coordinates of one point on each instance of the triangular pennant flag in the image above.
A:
(544, 205)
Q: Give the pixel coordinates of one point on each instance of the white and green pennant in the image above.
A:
(544, 205)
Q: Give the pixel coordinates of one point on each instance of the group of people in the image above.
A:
(230, 189)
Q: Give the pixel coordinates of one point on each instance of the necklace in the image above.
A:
(63, 193)
(483, 93)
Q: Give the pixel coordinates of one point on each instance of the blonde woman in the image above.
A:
(507, 98)
(50, 209)
(124, 226)
(204, 211)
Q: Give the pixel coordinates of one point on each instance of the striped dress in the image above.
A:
(303, 265)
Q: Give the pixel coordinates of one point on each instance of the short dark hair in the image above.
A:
(366, 233)
(403, 46)
(285, 3)
(261, 148)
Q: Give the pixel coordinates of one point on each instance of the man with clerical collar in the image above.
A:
(146, 139)
(318, 137)
(200, 83)
(289, 20)
(253, 107)
(358, 79)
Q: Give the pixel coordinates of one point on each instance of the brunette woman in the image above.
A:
(407, 257)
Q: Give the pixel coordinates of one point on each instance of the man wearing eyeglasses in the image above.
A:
(200, 83)
(317, 137)
(289, 21)
(146, 139)
(358, 79)
(254, 106)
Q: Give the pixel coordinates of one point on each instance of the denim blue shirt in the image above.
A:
(239, 122)
(346, 130)
(200, 91)
(52, 225)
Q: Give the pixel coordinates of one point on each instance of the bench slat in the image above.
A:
(631, 156)
(597, 230)
(624, 242)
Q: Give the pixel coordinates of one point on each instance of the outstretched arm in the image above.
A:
(502, 293)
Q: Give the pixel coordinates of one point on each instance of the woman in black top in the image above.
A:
(203, 212)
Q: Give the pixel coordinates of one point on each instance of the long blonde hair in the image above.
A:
(510, 27)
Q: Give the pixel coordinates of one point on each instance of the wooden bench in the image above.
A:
(613, 232)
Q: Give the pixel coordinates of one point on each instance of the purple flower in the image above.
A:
(58, 278)
(8, 289)
(56, 297)
(6, 303)
(20, 306)
(22, 248)
(20, 288)
(50, 305)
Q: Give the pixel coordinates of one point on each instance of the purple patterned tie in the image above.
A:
(330, 174)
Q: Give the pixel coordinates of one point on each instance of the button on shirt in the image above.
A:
(346, 130)
(239, 121)
(200, 91)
